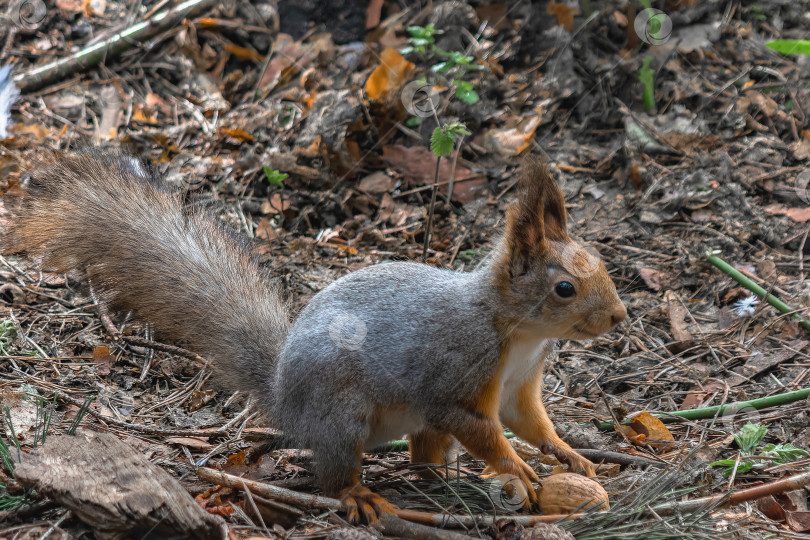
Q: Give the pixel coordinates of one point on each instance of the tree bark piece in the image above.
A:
(113, 488)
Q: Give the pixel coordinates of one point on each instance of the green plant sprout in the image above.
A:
(444, 138)
(790, 46)
(8, 334)
(442, 142)
(748, 439)
(455, 64)
(646, 75)
(275, 176)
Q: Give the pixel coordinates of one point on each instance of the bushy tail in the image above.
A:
(106, 213)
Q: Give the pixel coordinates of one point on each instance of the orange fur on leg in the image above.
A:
(429, 446)
(484, 438)
(535, 427)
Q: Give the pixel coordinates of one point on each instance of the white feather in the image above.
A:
(745, 307)
(8, 95)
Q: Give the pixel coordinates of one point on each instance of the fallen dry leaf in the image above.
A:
(799, 215)
(194, 443)
(677, 313)
(417, 165)
(647, 428)
(103, 360)
(510, 142)
(265, 230)
(652, 278)
(275, 204)
(389, 75)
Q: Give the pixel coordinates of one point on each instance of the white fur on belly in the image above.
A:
(525, 354)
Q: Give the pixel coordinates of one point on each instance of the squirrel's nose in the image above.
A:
(618, 313)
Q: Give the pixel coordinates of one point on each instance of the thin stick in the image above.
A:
(740, 278)
(430, 211)
(790, 483)
(119, 42)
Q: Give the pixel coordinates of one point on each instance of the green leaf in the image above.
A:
(275, 177)
(749, 437)
(457, 129)
(790, 46)
(466, 93)
(405, 50)
(441, 66)
(729, 464)
(441, 142)
(785, 452)
(413, 121)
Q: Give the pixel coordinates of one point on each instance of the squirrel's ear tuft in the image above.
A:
(544, 198)
(536, 217)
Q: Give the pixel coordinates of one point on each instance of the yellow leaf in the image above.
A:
(237, 459)
(389, 75)
(651, 428)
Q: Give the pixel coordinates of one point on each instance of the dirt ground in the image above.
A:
(707, 157)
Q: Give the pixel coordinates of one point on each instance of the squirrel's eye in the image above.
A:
(565, 289)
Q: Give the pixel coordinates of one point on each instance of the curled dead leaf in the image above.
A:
(389, 75)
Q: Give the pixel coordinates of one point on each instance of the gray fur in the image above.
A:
(429, 344)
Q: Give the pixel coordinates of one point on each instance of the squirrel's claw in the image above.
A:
(363, 505)
(576, 463)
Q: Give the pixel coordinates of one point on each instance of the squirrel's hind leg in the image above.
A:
(341, 477)
(363, 505)
(430, 446)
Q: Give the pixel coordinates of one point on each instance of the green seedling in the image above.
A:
(790, 46)
(646, 75)
(444, 138)
(453, 65)
(274, 176)
(8, 334)
(748, 440)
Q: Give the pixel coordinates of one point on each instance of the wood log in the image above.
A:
(114, 489)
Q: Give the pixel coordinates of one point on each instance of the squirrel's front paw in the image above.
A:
(363, 505)
(576, 463)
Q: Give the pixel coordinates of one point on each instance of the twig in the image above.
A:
(171, 349)
(790, 483)
(801, 259)
(430, 210)
(119, 42)
(618, 457)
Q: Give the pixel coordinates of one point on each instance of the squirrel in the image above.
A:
(391, 349)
